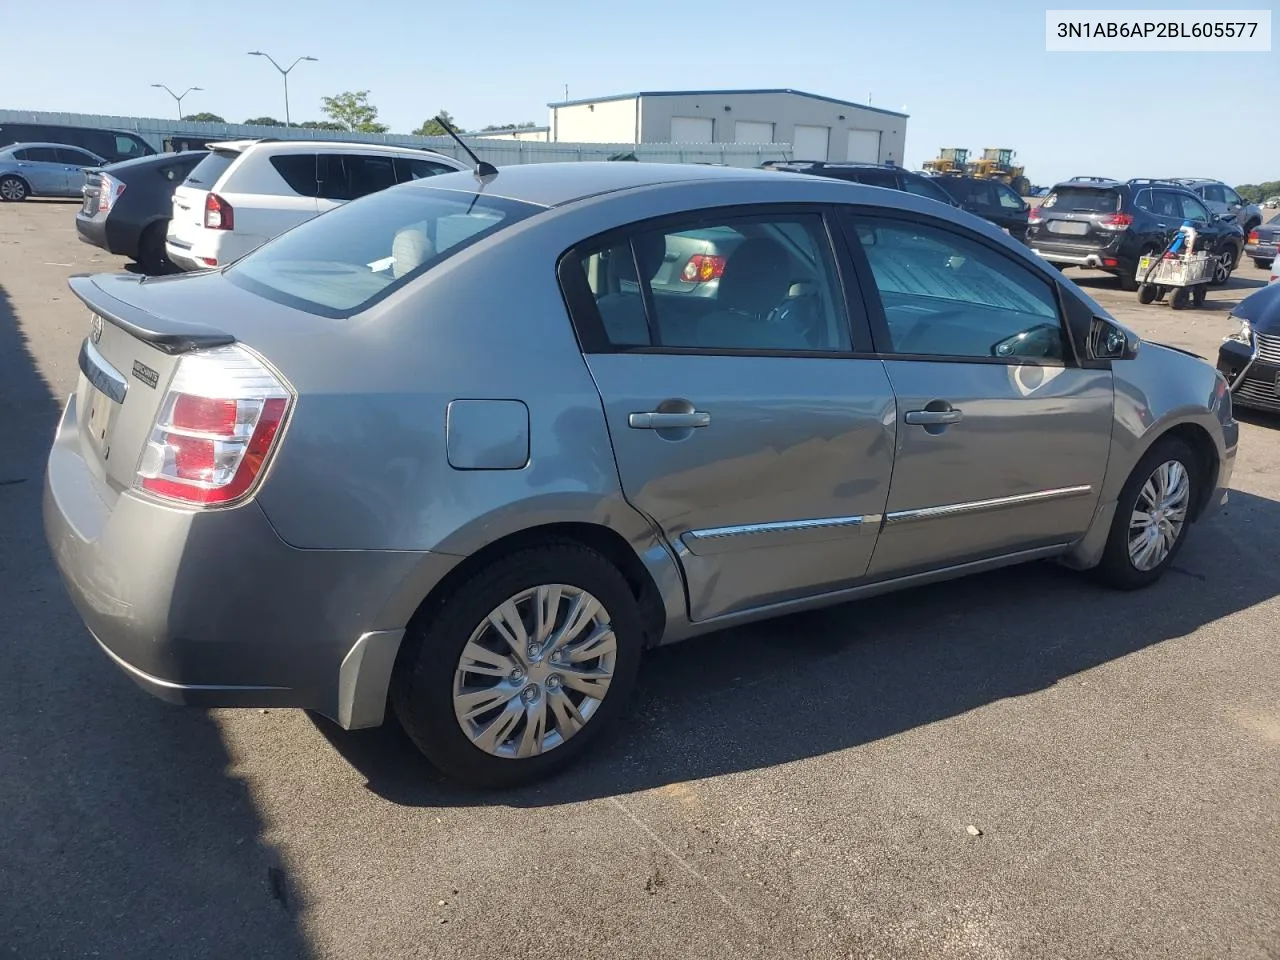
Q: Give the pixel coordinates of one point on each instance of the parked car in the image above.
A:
(426, 447)
(1250, 357)
(247, 191)
(1225, 202)
(43, 170)
(1109, 225)
(127, 205)
(111, 145)
(1263, 242)
(990, 200)
(871, 174)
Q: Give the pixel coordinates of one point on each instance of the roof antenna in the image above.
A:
(483, 169)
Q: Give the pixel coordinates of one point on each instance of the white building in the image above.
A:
(526, 134)
(818, 128)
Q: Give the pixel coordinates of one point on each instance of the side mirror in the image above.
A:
(1110, 341)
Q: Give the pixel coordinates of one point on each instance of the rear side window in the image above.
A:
(923, 187)
(349, 176)
(298, 171)
(41, 155)
(412, 168)
(356, 254)
(77, 157)
(208, 171)
(1083, 200)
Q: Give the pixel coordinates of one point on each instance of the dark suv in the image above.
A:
(872, 174)
(990, 200)
(1109, 224)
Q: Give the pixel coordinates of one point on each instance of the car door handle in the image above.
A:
(668, 421)
(928, 418)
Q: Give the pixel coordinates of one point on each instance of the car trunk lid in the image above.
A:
(190, 196)
(1083, 215)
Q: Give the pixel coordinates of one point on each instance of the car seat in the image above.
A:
(756, 281)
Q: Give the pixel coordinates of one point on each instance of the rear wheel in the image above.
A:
(13, 189)
(1128, 277)
(1147, 293)
(1198, 294)
(151, 255)
(1180, 297)
(515, 672)
(1222, 269)
(1153, 514)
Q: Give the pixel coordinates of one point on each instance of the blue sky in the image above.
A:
(970, 74)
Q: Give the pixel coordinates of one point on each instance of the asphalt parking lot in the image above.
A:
(800, 788)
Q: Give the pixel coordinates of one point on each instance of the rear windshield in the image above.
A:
(344, 260)
(208, 170)
(1083, 200)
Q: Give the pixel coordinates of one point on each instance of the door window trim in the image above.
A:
(874, 303)
(589, 325)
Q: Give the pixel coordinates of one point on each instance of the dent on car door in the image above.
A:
(1002, 438)
(744, 425)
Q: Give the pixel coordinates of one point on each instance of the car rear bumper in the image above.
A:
(1079, 255)
(93, 230)
(212, 608)
(183, 255)
(1261, 251)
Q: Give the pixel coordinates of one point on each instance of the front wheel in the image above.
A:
(1147, 293)
(1153, 513)
(515, 672)
(12, 189)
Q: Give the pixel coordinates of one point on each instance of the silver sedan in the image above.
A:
(451, 447)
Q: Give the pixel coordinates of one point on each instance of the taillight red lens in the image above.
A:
(1117, 220)
(211, 450)
(218, 214)
(109, 191)
(1253, 236)
(1033, 215)
(702, 268)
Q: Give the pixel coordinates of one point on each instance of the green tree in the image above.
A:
(264, 122)
(1256, 192)
(320, 125)
(527, 125)
(204, 118)
(353, 111)
(432, 127)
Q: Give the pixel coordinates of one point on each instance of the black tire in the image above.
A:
(1262, 264)
(1128, 280)
(1147, 293)
(1198, 294)
(1233, 258)
(1179, 298)
(422, 688)
(13, 189)
(1117, 569)
(151, 255)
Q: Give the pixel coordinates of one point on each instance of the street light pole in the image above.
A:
(176, 96)
(284, 73)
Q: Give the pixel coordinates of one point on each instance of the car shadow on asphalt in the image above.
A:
(124, 831)
(813, 684)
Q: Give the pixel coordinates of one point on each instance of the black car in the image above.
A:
(1250, 357)
(990, 200)
(872, 174)
(111, 145)
(127, 206)
(1109, 224)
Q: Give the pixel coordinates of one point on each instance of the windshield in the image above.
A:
(1083, 200)
(344, 260)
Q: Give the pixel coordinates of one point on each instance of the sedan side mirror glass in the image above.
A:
(1110, 341)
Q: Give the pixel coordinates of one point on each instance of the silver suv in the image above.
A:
(1225, 202)
(450, 446)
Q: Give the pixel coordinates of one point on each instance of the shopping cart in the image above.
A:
(1179, 272)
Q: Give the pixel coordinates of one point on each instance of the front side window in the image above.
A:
(1213, 193)
(1192, 209)
(923, 187)
(947, 295)
(720, 284)
(1231, 196)
(414, 168)
(298, 171)
(349, 176)
(128, 147)
(77, 157)
(1007, 198)
(356, 254)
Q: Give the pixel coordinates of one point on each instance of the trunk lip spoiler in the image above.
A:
(174, 336)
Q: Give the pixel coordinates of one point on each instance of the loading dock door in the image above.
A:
(864, 145)
(692, 130)
(810, 143)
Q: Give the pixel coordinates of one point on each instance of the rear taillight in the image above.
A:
(1253, 236)
(218, 214)
(109, 191)
(1116, 221)
(702, 267)
(217, 428)
(1033, 215)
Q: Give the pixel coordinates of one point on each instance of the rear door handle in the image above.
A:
(668, 421)
(927, 418)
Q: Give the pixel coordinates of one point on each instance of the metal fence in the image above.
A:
(498, 152)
